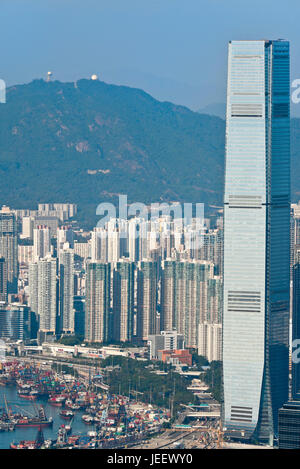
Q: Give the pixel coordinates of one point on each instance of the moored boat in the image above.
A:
(24, 444)
(39, 420)
(29, 395)
(57, 401)
(66, 414)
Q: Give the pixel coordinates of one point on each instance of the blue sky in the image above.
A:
(174, 49)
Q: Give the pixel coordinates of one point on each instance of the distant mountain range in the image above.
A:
(215, 109)
(87, 142)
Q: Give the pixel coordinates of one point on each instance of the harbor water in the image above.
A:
(27, 407)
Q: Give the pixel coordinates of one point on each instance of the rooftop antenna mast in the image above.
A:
(49, 76)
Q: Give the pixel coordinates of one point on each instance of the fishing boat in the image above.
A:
(7, 426)
(27, 394)
(57, 401)
(66, 414)
(71, 405)
(6, 380)
(30, 444)
(90, 419)
(39, 420)
(24, 444)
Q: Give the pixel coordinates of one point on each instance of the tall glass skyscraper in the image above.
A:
(256, 237)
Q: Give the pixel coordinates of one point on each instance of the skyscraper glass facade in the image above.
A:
(256, 237)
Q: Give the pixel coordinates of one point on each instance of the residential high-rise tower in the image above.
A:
(9, 247)
(97, 321)
(146, 299)
(66, 290)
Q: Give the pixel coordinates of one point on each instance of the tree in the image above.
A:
(213, 378)
(199, 360)
(71, 340)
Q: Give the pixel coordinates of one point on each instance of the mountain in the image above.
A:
(87, 142)
(214, 109)
(160, 87)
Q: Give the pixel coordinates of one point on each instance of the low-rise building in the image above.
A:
(166, 340)
(175, 357)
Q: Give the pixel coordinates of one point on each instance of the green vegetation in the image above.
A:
(213, 378)
(198, 360)
(88, 143)
(120, 345)
(137, 378)
(71, 340)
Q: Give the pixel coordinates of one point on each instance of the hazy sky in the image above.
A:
(174, 49)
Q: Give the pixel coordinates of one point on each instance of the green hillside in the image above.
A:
(90, 141)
